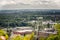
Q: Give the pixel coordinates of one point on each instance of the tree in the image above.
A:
(42, 38)
(57, 36)
(57, 26)
(53, 37)
(17, 37)
(29, 36)
(3, 33)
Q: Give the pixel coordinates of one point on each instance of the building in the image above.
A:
(22, 30)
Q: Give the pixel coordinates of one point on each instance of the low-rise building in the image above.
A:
(22, 30)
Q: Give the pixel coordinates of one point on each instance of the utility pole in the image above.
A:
(15, 20)
(38, 28)
(8, 30)
(54, 17)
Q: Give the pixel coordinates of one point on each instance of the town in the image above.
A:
(29, 25)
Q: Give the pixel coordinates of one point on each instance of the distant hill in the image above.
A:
(32, 11)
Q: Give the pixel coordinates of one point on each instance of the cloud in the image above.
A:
(17, 4)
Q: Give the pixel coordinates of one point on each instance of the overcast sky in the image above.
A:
(29, 4)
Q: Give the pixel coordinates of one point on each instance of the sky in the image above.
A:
(29, 4)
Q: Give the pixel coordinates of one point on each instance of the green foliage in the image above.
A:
(26, 37)
(57, 26)
(18, 37)
(57, 36)
(42, 38)
(3, 33)
(53, 37)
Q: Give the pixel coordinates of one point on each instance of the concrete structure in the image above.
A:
(46, 32)
(22, 30)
